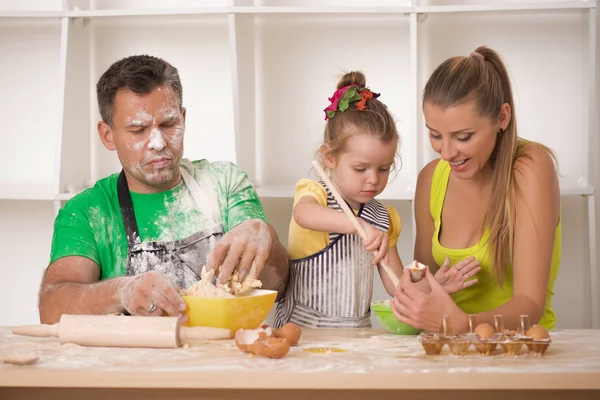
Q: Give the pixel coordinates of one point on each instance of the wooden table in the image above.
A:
(374, 364)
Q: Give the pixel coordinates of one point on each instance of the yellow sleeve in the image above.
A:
(308, 187)
(303, 242)
(395, 226)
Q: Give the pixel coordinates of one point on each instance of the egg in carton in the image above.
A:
(485, 337)
(535, 338)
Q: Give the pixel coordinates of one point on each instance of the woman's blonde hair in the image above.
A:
(375, 119)
(483, 77)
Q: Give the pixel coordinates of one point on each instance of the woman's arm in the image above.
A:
(538, 211)
(424, 220)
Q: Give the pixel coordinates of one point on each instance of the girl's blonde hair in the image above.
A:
(483, 77)
(375, 119)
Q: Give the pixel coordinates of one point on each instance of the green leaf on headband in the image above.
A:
(330, 114)
(350, 96)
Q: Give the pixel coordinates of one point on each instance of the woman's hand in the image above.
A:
(454, 279)
(376, 241)
(425, 310)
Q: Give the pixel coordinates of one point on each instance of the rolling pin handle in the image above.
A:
(43, 330)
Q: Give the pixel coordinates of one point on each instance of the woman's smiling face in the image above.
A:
(463, 137)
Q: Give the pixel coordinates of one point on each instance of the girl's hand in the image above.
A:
(454, 279)
(376, 241)
(425, 310)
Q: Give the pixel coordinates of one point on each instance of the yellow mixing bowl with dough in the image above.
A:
(243, 312)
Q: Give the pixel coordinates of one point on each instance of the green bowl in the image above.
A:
(386, 318)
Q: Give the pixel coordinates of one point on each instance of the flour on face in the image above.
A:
(154, 127)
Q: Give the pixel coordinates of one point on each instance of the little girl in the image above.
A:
(331, 267)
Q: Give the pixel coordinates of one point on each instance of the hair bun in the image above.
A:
(353, 78)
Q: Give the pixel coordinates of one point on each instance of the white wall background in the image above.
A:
(298, 60)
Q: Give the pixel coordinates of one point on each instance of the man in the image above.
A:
(129, 243)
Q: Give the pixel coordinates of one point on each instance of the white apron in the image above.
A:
(334, 287)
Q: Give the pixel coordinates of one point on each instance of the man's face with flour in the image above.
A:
(147, 134)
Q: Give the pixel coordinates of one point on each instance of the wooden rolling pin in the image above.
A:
(353, 219)
(122, 331)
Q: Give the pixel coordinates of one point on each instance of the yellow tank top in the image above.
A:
(486, 294)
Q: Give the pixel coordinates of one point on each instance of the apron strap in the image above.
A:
(126, 205)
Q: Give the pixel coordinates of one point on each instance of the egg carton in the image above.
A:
(485, 341)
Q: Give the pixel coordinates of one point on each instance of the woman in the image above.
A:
(491, 196)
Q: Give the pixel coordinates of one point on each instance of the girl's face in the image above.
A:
(361, 171)
(462, 137)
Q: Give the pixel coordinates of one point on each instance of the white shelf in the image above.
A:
(577, 191)
(393, 193)
(241, 10)
(432, 9)
(281, 192)
(65, 196)
(33, 195)
(31, 14)
(520, 6)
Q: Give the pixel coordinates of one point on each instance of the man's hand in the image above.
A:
(151, 294)
(454, 279)
(244, 248)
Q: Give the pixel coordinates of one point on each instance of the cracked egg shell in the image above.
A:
(246, 339)
(272, 347)
(417, 271)
(291, 332)
(266, 331)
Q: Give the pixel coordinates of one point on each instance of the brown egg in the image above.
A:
(484, 331)
(537, 332)
(272, 347)
(291, 332)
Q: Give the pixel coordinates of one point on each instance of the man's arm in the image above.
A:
(70, 286)
(249, 245)
(275, 274)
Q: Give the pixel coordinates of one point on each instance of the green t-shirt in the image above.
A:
(90, 224)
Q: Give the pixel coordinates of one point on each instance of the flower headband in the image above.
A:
(342, 98)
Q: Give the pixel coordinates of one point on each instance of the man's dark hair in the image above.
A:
(141, 74)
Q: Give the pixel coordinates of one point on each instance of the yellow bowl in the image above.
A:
(244, 312)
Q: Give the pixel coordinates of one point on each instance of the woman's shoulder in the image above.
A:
(536, 178)
(427, 175)
(534, 162)
(427, 172)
